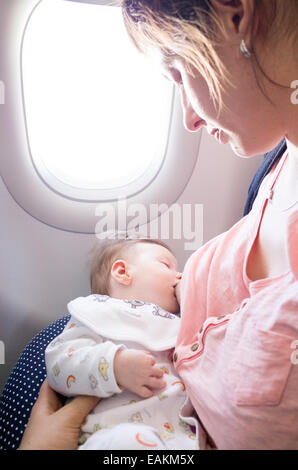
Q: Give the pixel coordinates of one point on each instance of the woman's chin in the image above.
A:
(240, 152)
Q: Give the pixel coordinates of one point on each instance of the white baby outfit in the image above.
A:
(80, 362)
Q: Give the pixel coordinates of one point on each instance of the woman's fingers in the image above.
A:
(47, 402)
(78, 409)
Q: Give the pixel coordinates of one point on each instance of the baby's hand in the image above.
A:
(136, 371)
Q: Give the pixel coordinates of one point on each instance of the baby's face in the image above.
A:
(155, 275)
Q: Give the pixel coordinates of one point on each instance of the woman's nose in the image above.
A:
(192, 122)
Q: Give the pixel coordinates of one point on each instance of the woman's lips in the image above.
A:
(216, 133)
(219, 135)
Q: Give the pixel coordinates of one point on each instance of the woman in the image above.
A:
(234, 63)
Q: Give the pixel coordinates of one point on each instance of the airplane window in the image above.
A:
(93, 122)
(97, 112)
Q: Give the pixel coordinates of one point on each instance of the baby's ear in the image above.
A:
(120, 272)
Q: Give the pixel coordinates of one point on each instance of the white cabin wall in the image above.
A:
(41, 269)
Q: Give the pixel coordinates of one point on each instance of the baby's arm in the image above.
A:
(80, 362)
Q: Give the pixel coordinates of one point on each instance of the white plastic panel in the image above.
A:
(77, 211)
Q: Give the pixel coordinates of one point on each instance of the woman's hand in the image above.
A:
(55, 427)
(136, 370)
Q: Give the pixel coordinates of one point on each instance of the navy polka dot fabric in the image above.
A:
(22, 387)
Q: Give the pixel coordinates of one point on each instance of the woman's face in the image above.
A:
(248, 121)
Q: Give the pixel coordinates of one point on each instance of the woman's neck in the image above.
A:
(286, 188)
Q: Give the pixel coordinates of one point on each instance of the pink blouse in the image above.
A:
(236, 349)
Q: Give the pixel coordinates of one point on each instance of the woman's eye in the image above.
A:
(173, 75)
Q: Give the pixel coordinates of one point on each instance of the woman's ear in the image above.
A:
(120, 272)
(236, 15)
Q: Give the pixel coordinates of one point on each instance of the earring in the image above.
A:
(244, 49)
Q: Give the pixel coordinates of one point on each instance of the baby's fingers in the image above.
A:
(156, 383)
(150, 358)
(144, 392)
(157, 372)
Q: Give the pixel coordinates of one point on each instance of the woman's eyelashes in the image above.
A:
(173, 75)
(176, 76)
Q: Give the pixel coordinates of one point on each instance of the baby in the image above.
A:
(118, 345)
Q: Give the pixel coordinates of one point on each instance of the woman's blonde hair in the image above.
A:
(192, 31)
(105, 253)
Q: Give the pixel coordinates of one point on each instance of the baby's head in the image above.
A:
(136, 269)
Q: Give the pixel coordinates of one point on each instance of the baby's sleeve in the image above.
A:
(80, 362)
